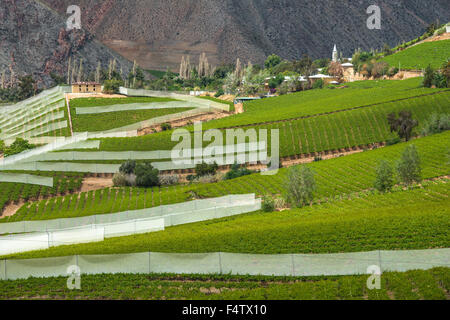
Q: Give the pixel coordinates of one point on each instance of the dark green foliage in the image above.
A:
(18, 146)
(237, 171)
(403, 125)
(272, 61)
(409, 167)
(204, 169)
(385, 177)
(268, 204)
(318, 84)
(128, 167)
(112, 86)
(219, 93)
(166, 127)
(146, 175)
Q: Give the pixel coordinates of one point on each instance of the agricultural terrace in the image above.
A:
(313, 102)
(418, 57)
(403, 219)
(335, 178)
(112, 120)
(412, 285)
(344, 129)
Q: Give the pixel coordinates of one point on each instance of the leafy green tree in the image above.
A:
(300, 186)
(403, 125)
(385, 177)
(112, 86)
(428, 77)
(18, 146)
(436, 124)
(146, 175)
(128, 167)
(409, 167)
(204, 169)
(27, 87)
(272, 61)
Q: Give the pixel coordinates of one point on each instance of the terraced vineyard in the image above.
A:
(112, 120)
(335, 178)
(14, 192)
(322, 133)
(415, 285)
(411, 219)
(420, 56)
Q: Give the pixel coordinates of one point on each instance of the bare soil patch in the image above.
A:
(11, 209)
(92, 184)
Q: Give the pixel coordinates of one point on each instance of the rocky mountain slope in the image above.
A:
(34, 40)
(158, 32)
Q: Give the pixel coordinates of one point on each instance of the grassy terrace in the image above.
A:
(432, 284)
(112, 120)
(325, 132)
(335, 178)
(413, 219)
(420, 56)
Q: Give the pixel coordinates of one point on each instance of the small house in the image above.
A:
(86, 87)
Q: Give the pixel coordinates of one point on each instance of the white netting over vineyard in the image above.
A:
(26, 178)
(133, 106)
(93, 233)
(174, 214)
(229, 263)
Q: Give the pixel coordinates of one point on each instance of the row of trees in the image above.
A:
(24, 89)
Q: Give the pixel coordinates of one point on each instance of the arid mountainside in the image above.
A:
(34, 40)
(158, 32)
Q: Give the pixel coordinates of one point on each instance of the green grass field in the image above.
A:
(112, 120)
(335, 177)
(431, 284)
(420, 56)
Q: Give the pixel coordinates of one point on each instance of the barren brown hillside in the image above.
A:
(158, 32)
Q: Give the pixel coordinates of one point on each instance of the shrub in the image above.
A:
(436, 124)
(219, 93)
(393, 141)
(112, 86)
(268, 204)
(204, 169)
(209, 178)
(300, 186)
(120, 180)
(236, 172)
(146, 175)
(403, 125)
(385, 177)
(18, 146)
(166, 127)
(318, 84)
(168, 180)
(408, 168)
(128, 167)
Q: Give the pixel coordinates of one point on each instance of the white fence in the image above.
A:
(297, 265)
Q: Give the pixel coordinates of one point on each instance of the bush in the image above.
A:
(169, 180)
(236, 172)
(408, 168)
(385, 177)
(112, 86)
(120, 180)
(146, 175)
(300, 186)
(393, 141)
(436, 124)
(166, 127)
(268, 204)
(219, 93)
(318, 84)
(18, 146)
(209, 178)
(128, 167)
(204, 169)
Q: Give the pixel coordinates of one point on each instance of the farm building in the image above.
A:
(86, 87)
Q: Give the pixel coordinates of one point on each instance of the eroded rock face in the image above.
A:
(34, 40)
(158, 32)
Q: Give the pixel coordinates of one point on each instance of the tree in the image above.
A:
(408, 168)
(128, 167)
(26, 87)
(18, 146)
(112, 86)
(300, 186)
(385, 177)
(446, 72)
(336, 70)
(403, 125)
(428, 77)
(272, 61)
(204, 169)
(305, 66)
(146, 175)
